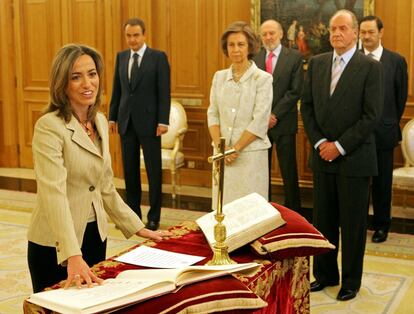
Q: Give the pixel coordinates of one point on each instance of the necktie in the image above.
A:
(336, 73)
(269, 63)
(134, 71)
(371, 55)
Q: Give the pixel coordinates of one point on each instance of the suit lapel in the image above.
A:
(80, 137)
(280, 64)
(103, 133)
(261, 59)
(124, 62)
(325, 75)
(385, 56)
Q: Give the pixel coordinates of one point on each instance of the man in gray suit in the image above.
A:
(341, 106)
(285, 65)
(388, 132)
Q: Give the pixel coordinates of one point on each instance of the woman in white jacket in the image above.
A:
(240, 106)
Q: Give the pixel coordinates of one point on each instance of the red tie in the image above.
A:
(269, 66)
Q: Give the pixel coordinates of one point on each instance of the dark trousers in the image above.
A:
(382, 190)
(151, 147)
(42, 260)
(286, 155)
(341, 202)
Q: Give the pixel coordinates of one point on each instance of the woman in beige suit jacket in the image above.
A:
(75, 191)
(240, 104)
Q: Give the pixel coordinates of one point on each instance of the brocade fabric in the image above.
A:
(283, 284)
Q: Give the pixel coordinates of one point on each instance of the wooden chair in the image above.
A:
(172, 143)
(403, 178)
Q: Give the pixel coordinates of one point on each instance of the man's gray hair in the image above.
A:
(350, 13)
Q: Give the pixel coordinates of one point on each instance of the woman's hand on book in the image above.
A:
(79, 272)
(154, 235)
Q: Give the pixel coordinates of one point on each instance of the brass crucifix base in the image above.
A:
(220, 253)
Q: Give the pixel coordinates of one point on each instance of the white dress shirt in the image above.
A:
(377, 53)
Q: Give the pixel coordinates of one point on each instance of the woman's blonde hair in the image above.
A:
(60, 75)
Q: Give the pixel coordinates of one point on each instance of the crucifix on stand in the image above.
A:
(220, 252)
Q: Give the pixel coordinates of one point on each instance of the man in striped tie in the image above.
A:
(341, 106)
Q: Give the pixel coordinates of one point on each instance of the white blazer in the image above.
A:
(71, 175)
(243, 105)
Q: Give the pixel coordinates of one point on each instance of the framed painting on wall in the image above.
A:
(305, 22)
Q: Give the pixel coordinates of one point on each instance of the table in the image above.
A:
(283, 284)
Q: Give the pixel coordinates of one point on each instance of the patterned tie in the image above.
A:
(134, 71)
(336, 73)
(371, 55)
(269, 65)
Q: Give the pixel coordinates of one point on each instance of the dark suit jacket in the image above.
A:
(287, 88)
(148, 102)
(388, 132)
(349, 116)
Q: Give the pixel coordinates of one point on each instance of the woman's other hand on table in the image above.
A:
(154, 235)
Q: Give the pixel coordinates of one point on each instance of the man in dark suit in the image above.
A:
(140, 108)
(285, 65)
(388, 132)
(341, 106)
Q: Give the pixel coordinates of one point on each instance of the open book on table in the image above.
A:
(246, 219)
(129, 287)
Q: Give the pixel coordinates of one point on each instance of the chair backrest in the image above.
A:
(178, 121)
(407, 144)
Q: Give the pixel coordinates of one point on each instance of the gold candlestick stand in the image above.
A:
(220, 252)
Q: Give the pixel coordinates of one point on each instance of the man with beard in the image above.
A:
(285, 64)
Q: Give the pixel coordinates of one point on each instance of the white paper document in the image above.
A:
(156, 258)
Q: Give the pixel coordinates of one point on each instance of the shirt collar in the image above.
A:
(345, 56)
(140, 52)
(275, 51)
(377, 52)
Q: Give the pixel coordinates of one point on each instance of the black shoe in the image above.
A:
(346, 294)
(317, 286)
(152, 225)
(379, 236)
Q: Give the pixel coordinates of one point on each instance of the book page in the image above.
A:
(114, 292)
(156, 258)
(151, 274)
(240, 215)
(185, 275)
(198, 273)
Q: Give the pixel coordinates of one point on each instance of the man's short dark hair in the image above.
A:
(372, 18)
(135, 21)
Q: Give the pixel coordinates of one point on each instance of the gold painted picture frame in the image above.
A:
(305, 22)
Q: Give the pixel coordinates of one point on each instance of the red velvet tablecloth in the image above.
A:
(283, 284)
